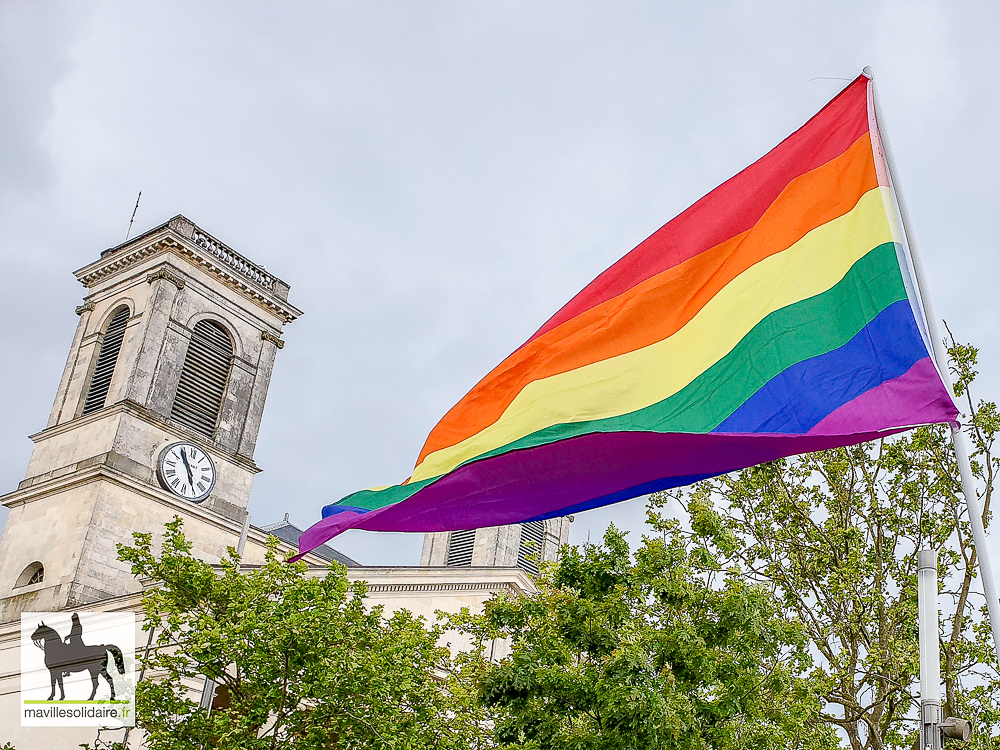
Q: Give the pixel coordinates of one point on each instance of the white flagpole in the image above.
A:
(958, 438)
(208, 690)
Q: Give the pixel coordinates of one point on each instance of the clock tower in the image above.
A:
(156, 415)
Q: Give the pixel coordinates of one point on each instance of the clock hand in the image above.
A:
(187, 466)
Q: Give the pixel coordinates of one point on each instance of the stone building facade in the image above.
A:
(177, 339)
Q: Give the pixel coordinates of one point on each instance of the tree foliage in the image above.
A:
(781, 613)
(834, 535)
(616, 651)
(305, 663)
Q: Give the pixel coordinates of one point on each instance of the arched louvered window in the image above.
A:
(107, 357)
(530, 550)
(460, 545)
(34, 573)
(203, 378)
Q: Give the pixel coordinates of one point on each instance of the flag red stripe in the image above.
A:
(658, 307)
(734, 206)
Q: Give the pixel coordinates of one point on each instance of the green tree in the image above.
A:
(644, 651)
(304, 662)
(834, 535)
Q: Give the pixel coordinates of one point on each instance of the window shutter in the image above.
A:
(34, 573)
(530, 549)
(111, 344)
(204, 377)
(460, 545)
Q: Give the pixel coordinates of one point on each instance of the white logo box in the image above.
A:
(101, 646)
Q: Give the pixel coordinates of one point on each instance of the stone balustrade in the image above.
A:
(234, 260)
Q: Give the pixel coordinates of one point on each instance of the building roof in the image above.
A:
(289, 532)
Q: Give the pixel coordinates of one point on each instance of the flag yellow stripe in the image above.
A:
(640, 378)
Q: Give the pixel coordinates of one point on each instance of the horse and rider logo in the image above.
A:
(56, 662)
(63, 657)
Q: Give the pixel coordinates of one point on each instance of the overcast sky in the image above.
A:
(435, 179)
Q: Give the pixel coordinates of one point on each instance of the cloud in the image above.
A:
(436, 179)
(35, 39)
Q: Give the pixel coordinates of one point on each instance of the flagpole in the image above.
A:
(958, 438)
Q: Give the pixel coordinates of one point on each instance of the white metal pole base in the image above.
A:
(930, 726)
(930, 653)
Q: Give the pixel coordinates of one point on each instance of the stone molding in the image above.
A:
(383, 588)
(134, 409)
(225, 265)
(10, 630)
(109, 458)
(163, 273)
(106, 267)
(101, 471)
(183, 226)
(85, 307)
(276, 340)
(235, 280)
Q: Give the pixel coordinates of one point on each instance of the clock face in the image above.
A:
(187, 471)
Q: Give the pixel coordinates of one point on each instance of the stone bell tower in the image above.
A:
(177, 338)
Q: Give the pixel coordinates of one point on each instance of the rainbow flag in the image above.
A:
(775, 316)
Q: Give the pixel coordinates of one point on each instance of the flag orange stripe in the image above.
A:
(733, 207)
(658, 307)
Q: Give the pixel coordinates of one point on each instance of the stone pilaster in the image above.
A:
(156, 319)
(236, 406)
(270, 343)
(59, 411)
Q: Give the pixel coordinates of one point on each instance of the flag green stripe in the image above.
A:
(831, 319)
(776, 343)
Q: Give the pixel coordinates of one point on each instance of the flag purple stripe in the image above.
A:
(646, 488)
(806, 393)
(516, 486)
(908, 397)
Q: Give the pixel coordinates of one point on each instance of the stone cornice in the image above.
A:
(185, 240)
(414, 588)
(428, 580)
(137, 410)
(106, 472)
(120, 260)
